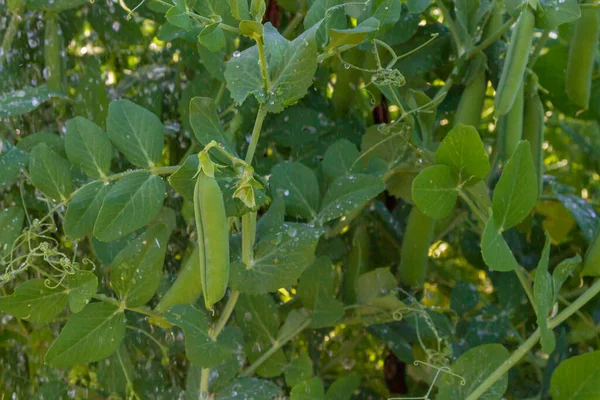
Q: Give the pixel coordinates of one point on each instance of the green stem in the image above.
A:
(7, 40)
(334, 51)
(538, 48)
(484, 44)
(533, 339)
(526, 286)
(260, 117)
(262, 59)
(451, 26)
(248, 236)
(204, 377)
(291, 26)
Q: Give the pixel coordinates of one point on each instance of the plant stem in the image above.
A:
(484, 44)
(294, 22)
(538, 48)
(526, 286)
(332, 52)
(533, 339)
(262, 59)
(9, 35)
(451, 26)
(260, 117)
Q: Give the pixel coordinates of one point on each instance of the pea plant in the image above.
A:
(303, 199)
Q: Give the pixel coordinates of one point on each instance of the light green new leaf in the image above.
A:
(311, 389)
(577, 378)
(90, 335)
(212, 8)
(131, 203)
(347, 193)
(81, 286)
(239, 9)
(88, 147)
(435, 191)
(83, 209)
(50, 173)
(11, 221)
(279, 259)
(462, 150)
(562, 272)
(247, 388)
(136, 132)
(34, 301)
(494, 249)
(298, 186)
(339, 159)
(316, 291)
(375, 284)
(544, 298)
(516, 193)
(212, 37)
(343, 388)
(360, 33)
(298, 370)
(178, 15)
(205, 123)
(474, 367)
(137, 270)
(200, 348)
(29, 98)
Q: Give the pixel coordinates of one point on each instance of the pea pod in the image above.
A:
(591, 261)
(414, 253)
(357, 263)
(213, 238)
(512, 125)
(52, 50)
(515, 63)
(582, 53)
(471, 101)
(533, 127)
(187, 287)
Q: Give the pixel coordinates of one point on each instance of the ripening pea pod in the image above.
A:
(414, 253)
(515, 62)
(187, 288)
(533, 126)
(213, 238)
(52, 52)
(591, 261)
(512, 125)
(582, 54)
(471, 101)
(357, 263)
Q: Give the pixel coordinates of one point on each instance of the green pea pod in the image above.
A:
(213, 239)
(582, 53)
(533, 127)
(471, 101)
(357, 263)
(187, 287)
(52, 50)
(512, 126)
(591, 261)
(515, 63)
(414, 253)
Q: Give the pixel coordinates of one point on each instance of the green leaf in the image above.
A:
(50, 139)
(11, 221)
(435, 191)
(258, 318)
(83, 209)
(328, 14)
(474, 367)
(360, 33)
(553, 13)
(183, 179)
(464, 297)
(293, 323)
(462, 150)
(343, 388)
(385, 145)
(562, 272)
(178, 15)
(12, 162)
(55, 5)
(205, 122)
(544, 298)
(50, 173)
(137, 270)
(88, 147)
(298, 370)
(212, 37)
(130, 204)
(136, 132)
(375, 284)
(387, 12)
(311, 389)
(252, 29)
(279, 259)
(22, 101)
(347, 193)
(200, 348)
(34, 301)
(273, 219)
(212, 8)
(516, 193)
(90, 335)
(494, 249)
(247, 388)
(81, 286)
(316, 291)
(577, 378)
(298, 186)
(239, 9)
(418, 6)
(339, 159)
